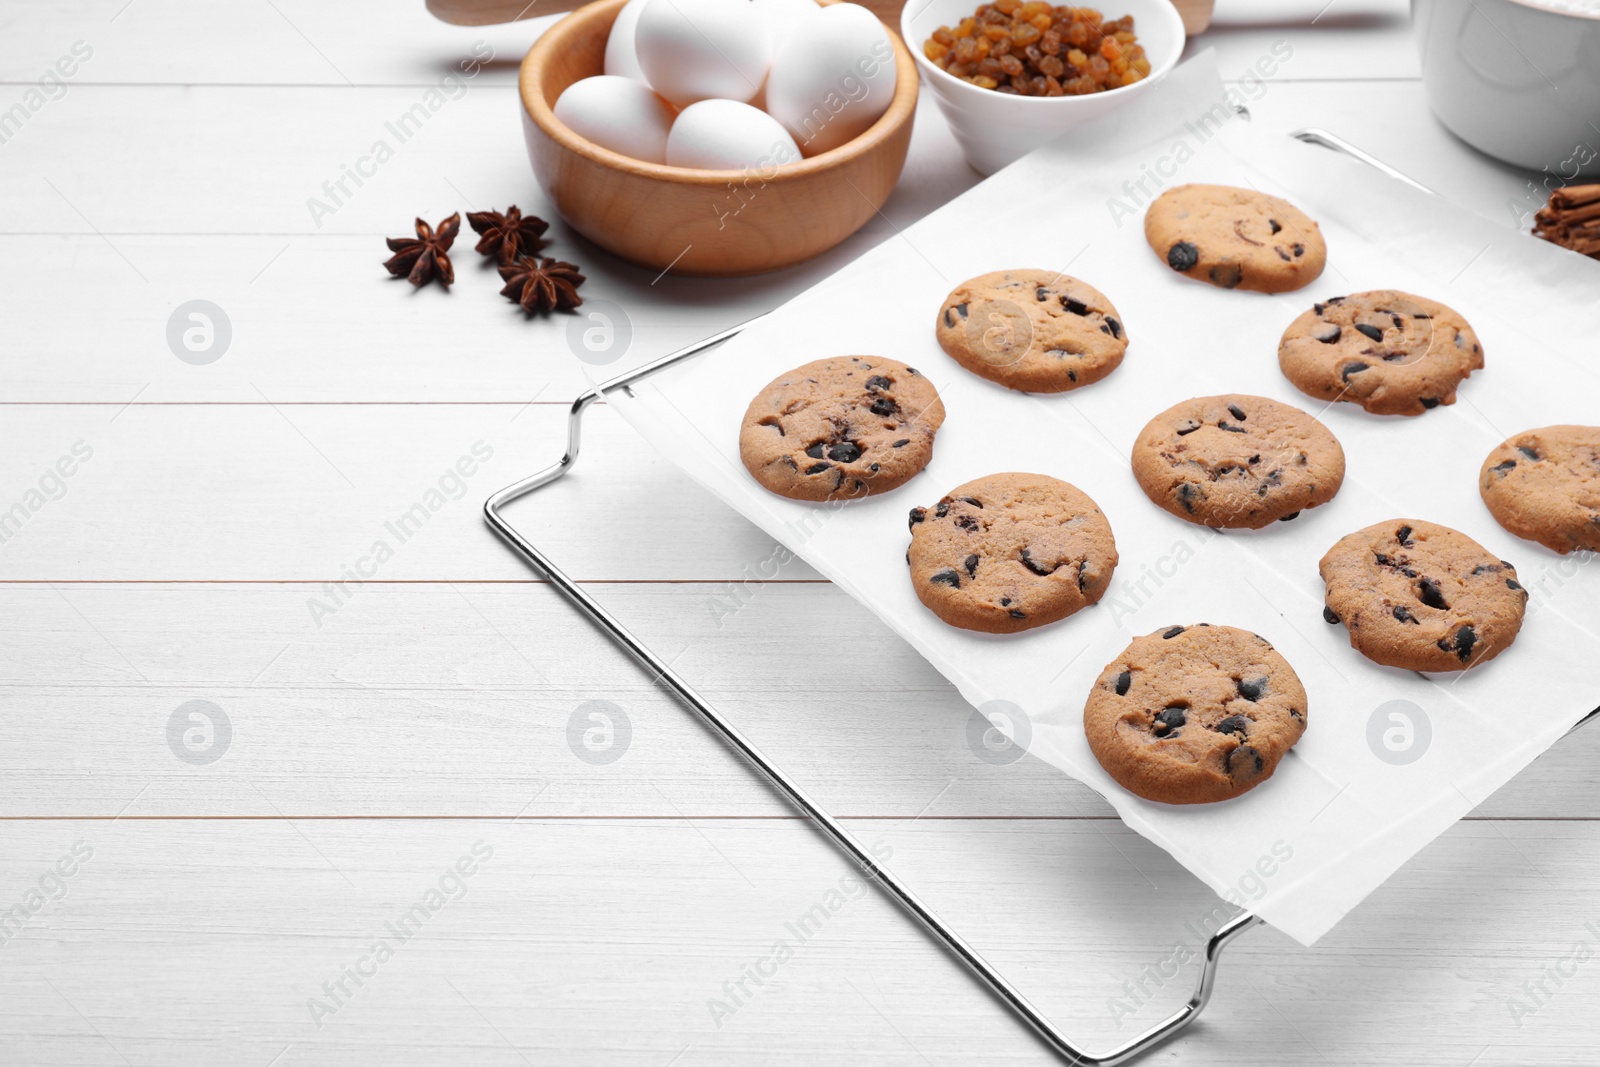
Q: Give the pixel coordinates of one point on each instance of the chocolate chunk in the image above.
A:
(972, 566)
(1369, 331)
(1077, 307)
(1183, 256)
(1233, 724)
(1329, 333)
(1274, 224)
(1403, 535)
(917, 515)
(884, 406)
(878, 383)
(974, 501)
(1042, 294)
(1289, 517)
(1230, 428)
(1530, 453)
(1512, 583)
(818, 468)
(1236, 412)
(1191, 427)
(1124, 680)
(941, 509)
(845, 452)
(1403, 615)
(1227, 275)
(947, 577)
(1174, 632)
(1429, 402)
(1252, 688)
(902, 442)
(1299, 249)
(1330, 616)
(1116, 327)
(815, 451)
(959, 309)
(1171, 718)
(1245, 762)
(1351, 368)
(1018, 614)
(1028, 562)
(1429, 593)
(1188, 493)
(1502, 468)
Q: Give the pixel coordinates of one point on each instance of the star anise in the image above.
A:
(507, 236)
(542, 286)
(425, 257)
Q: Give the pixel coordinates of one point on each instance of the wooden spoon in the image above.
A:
(1196, 13)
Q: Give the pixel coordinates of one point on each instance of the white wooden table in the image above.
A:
(213, 908)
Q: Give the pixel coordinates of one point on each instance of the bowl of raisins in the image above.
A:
(1012, 75)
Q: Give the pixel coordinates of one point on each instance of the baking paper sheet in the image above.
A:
(1359, 795)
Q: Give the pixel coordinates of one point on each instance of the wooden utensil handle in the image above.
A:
(1196, 13)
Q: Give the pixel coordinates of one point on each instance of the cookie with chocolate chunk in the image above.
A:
(1390, 352)
(1032, 330)
(1421, 596)
(1235, 238)
(1237, 461)
(839, 428)
(1010, 552)
(1544, 485)
(1195, 714)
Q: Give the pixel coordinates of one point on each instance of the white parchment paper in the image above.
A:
(1345, 809)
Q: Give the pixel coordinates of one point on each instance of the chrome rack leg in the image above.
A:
(792, 790)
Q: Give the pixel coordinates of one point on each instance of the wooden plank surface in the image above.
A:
(371, 743)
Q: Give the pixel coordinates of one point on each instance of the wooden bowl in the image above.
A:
(706, 222)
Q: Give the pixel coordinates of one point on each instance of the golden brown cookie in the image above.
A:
(839, 428)
(1235, 238)
(1421, 596)
(1545, 485)
(1009, 552)
(1237, 461)
(1390, 352)
(1032, 330)
(1194, 714)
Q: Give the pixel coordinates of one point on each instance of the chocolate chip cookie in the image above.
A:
(1390, 352)
(1237, 461)
(1421, 596)
(1194, 714)
(1545, 485)
(1032, 330)
(1009, 552)
(839, 428)
(1235, 238)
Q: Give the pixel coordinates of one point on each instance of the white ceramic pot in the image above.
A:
(1518, 79)
(995, 129)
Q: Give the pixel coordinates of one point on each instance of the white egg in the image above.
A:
(621, 59)
(832, 78)
(702, 49)
(617, 113)
(728, 135)
(781, 16)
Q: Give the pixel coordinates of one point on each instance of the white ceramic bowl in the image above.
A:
(995, 129)
(1518, 79)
